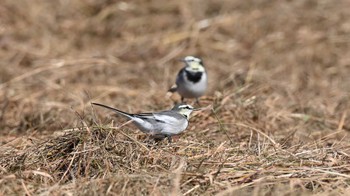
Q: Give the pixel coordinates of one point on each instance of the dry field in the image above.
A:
(277, 119)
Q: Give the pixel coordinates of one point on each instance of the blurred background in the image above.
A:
(282, 66)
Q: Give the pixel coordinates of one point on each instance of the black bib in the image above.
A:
(193, 76)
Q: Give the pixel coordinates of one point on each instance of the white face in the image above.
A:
(185, 110)
(194, 64)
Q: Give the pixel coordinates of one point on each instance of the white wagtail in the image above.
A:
(162, 124)
(191, 81)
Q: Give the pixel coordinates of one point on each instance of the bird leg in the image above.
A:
(157, 137)
(169, 139)
(182, 100)
(197, 102)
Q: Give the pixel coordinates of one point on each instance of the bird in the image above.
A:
(191, 80)
(160, 125)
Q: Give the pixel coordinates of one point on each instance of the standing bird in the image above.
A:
(162, 124)
(191, 81)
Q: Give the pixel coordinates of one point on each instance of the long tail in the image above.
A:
(115, 110)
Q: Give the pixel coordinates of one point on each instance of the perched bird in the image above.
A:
(191, 81)
(162, 124)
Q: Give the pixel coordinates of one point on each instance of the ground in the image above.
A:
(276, 118)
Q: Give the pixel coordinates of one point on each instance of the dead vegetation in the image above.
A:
(279, 97)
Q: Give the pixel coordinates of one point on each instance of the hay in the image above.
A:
(278, 122)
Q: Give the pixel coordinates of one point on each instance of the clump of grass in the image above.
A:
(80, 159)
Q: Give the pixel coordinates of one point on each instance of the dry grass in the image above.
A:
(279, 93)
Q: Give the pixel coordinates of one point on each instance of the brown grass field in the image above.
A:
(277, 120)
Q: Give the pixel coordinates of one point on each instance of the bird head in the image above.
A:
(193, 64)
(184, 110)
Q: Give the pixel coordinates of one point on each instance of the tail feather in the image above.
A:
(173, 89)
(115, 110)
